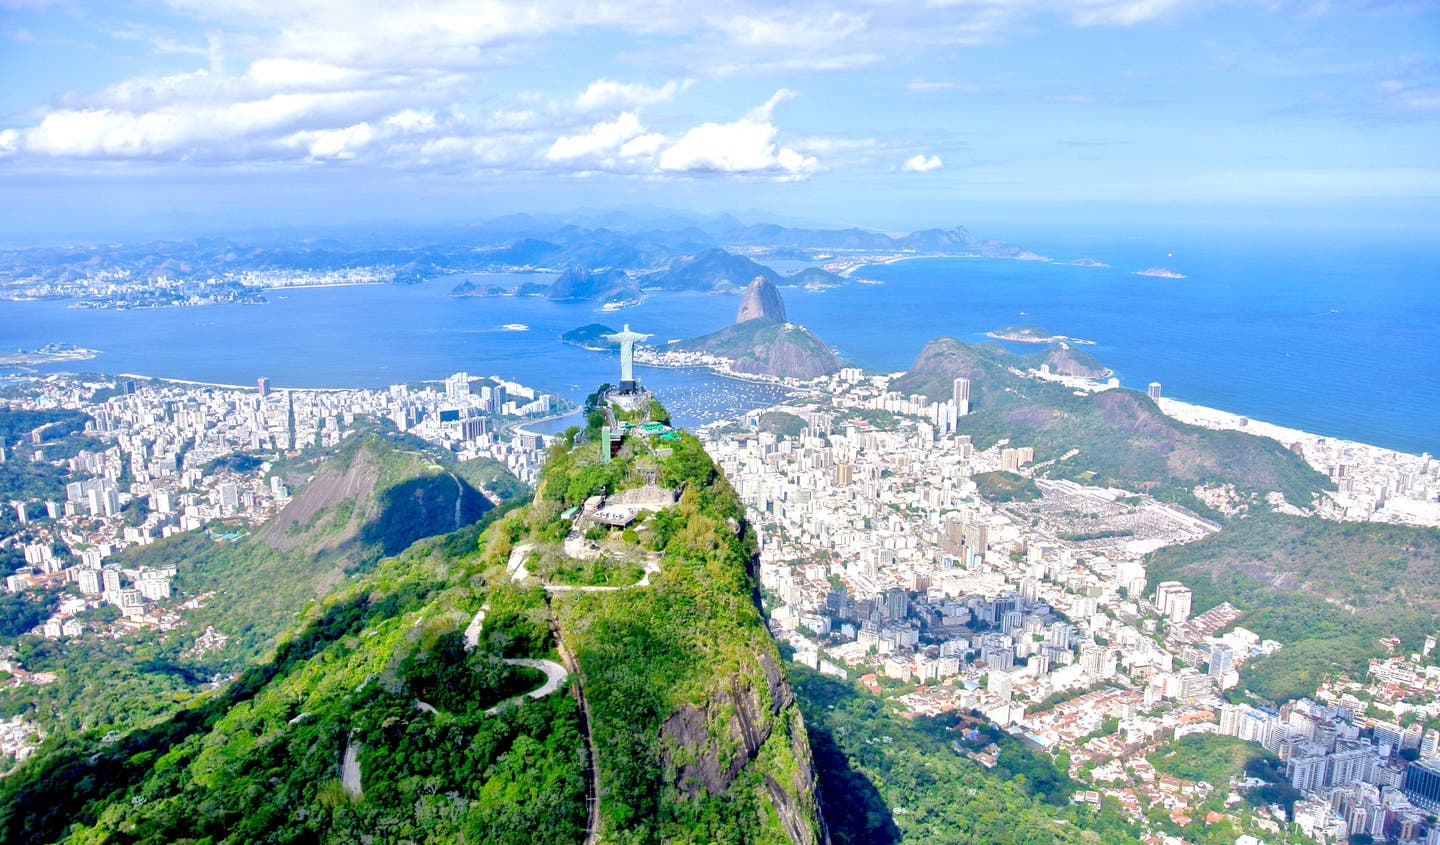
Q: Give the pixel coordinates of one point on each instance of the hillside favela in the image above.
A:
(738, 424)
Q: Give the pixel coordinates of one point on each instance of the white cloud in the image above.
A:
(309, 73)
(340, 143)
(609, 94)
(791, 30)
(411, 121)
(290, 74)
(1120, 12)
(599, 141)
(742, 147)
(763, 112)
(208, 131)
(643, 147)
(920, 163)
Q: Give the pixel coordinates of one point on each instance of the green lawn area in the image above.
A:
(1208, 757)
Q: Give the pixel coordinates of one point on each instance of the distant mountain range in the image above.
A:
(672, 252)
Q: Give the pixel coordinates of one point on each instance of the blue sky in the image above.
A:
(198, 115)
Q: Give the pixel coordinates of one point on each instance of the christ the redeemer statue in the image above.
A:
(627, 340)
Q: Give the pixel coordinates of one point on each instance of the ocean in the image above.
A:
(1326, 335)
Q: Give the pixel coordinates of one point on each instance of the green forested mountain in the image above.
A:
(390, 713)
(546, 673)
(372, 497)
(766, 347)
(1114, 437)
(1328, 590)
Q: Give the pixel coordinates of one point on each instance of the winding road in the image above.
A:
(555, 674)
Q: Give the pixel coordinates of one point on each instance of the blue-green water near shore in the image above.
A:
(1335, 338)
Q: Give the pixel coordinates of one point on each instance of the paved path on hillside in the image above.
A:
(350, 769)
(555, 676)
(459, 497)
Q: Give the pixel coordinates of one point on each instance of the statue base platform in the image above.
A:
(635, 398)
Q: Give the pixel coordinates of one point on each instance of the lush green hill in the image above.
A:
(379, 674)
(696, 732)
(766, 347)
(591, 336)
(21, 478)
(376, 719)
(1327, 590)
(1066, 360)
(372, 497)
(1120, 437)
(813, 277)
(605, 285)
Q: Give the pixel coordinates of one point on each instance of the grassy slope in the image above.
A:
(257, 588)
(1327, 590)
(697, 735)
(260, 760)
(1122, 438)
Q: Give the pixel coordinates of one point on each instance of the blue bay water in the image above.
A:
(1324, 336)
(377, 335)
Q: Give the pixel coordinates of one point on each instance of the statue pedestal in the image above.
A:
(637, 399)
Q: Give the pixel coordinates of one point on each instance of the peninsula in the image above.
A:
(1027, 333)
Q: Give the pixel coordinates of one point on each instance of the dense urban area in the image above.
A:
(894, 553)
(947, 579)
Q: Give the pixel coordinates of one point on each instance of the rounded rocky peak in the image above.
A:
(761, 299)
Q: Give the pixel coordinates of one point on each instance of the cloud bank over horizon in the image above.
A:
(1088, 99)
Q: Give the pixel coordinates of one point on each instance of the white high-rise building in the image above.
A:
(961, 390)
(1307, 773)
(89, 581)
(457, 386)
(1172, 598)
(1222, 659)
(1430, 745)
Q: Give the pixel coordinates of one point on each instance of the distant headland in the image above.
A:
(1026, 333)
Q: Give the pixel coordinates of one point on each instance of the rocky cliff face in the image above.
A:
(748, 717)
(792, 352)
(1069, 361)
(761, 299)
(761, 341)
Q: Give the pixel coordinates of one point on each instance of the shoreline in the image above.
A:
(881, 261)
(312, 285)
(1215, 418)
(520, 428)
(224, 386)
(1187, 412)
(749, 378)
(1191, 413)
